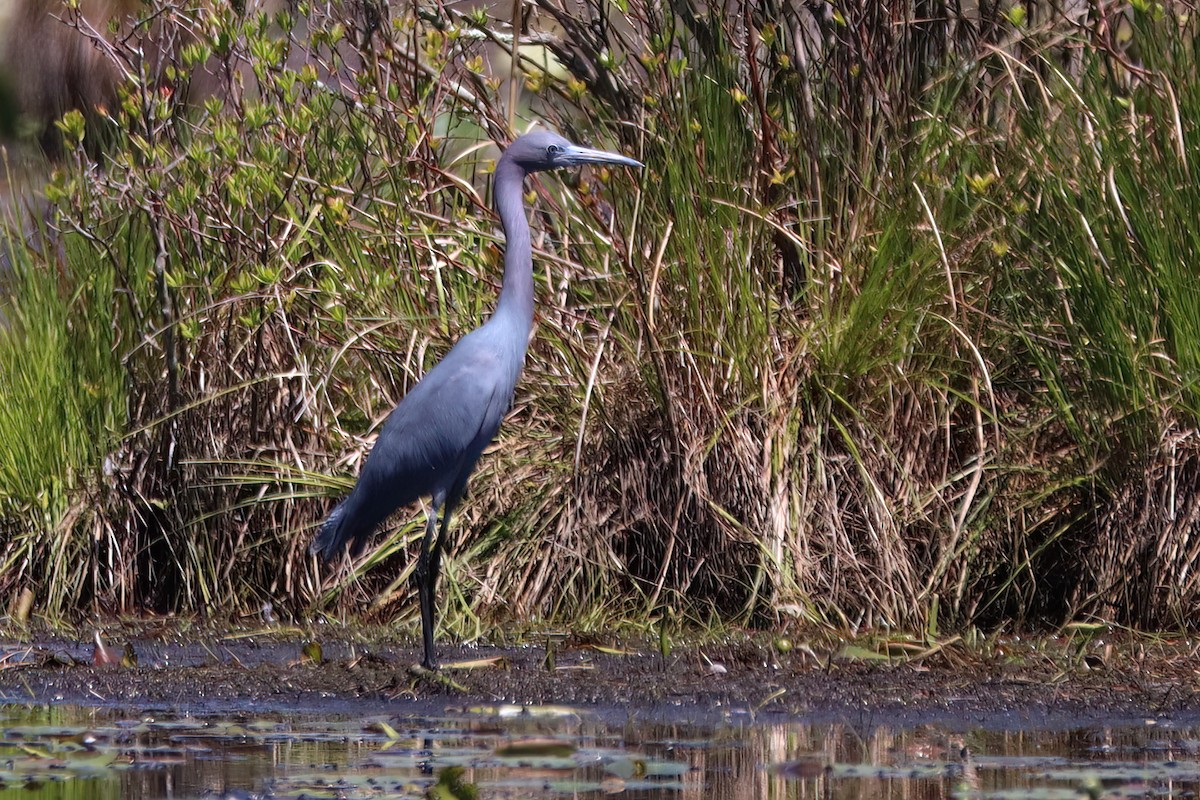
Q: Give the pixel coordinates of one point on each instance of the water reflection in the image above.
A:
(70, 752)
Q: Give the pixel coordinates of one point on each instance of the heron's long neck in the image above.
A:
(516, 294)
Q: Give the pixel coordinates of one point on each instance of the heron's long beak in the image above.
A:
(585, 155)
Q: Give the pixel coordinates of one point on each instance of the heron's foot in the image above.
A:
(424, 673)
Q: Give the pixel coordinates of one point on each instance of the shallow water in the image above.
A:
(74, 752)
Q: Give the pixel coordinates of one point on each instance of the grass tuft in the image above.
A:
(897, 328)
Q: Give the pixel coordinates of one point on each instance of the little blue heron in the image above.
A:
(432, 439)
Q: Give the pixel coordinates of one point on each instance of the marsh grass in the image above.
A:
(892, 331)
(1110, 316)
(61, 382)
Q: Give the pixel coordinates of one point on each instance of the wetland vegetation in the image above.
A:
(899, 328)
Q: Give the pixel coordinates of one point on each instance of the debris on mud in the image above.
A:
(1010, 682)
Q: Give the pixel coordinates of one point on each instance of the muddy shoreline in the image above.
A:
(1047, 685)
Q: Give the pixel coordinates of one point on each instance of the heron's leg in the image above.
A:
(434, 565)
(426, 579)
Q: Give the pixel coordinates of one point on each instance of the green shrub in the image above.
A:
(893, 330)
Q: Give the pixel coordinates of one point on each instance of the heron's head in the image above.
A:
(542, 150)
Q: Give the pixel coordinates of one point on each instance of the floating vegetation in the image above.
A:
(468, 755)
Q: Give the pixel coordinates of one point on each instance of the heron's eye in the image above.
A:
(553, 150)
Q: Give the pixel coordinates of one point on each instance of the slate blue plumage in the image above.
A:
(429, 444)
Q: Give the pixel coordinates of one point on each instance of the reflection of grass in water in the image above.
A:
(79, 752)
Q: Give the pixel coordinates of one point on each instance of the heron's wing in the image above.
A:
(439, 428)
(429, 442)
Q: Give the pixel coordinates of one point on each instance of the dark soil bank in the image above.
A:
(1049, 684)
